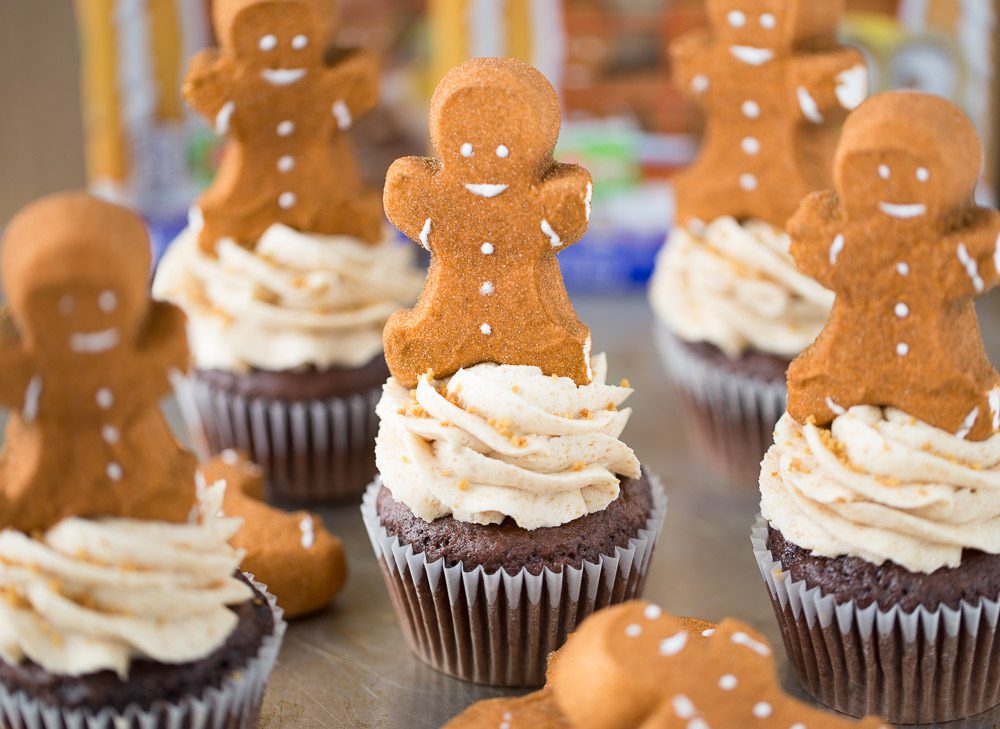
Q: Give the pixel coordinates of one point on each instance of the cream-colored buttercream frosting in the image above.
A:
(93, 594)
(881, 485)
(292, 301)
(736, 286)
(497, 441)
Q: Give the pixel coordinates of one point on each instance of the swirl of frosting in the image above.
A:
(292, 301)
(498, 441)
(736, 286)
(91, 595)
(881, 485)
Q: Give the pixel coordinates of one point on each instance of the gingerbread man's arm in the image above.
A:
(354, 84)
(408, 186)
(692, 65)
(163, 344)
(826, 82)
(16, 365)
(565, 192)
(207, 88)
(817, 237)
(974, 251)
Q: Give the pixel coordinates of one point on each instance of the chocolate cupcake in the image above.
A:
(880, 529)
(286, 271)
(508, 508)
(732, 310)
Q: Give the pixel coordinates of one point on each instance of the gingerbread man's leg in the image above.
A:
(359, 216)
(812, 392)
(978, 422)
(417, 346)
(563, 351)
(245, 229)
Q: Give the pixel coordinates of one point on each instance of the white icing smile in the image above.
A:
(283, 76)
(95, 342)
(752, 55)
(903, 211)
(485, 190)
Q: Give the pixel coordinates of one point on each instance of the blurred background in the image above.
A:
(89, 94)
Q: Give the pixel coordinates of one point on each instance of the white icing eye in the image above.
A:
(299, 42)
(884, 172)
(737, 19)
(767, 20)
(268, 43)
(107, 301)
(66, 305)
(466, 150)
(502, 151)
(923, 174)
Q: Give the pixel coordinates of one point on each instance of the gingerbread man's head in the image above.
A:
(762, 29)
(478, 151)
(277, 38)
(75, 272)
(907, 157)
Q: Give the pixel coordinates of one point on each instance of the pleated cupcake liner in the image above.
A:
(236, 704)
(919, 667)
(732, 416)
(312, 451)
(496, 628)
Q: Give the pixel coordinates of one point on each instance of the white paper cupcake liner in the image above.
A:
(235, 704)
(495, 628)
(311, 450)
(918, 667)
(733, 415)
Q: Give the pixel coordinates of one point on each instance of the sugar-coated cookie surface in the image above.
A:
(633, 666)
(284, 99)
(301, 563)
(86, 357)
(774, 85)
(906, 250)
(493, 209)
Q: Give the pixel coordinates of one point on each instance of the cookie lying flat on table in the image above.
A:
(493, 209)
(906, 250)
(285, 109)
(635, 667)
(293, 554)
(86, 358)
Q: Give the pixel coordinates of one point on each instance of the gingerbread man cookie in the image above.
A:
(494, 210)
(301, 563)
(906, 250)
(775, 87)
(635, 667)
(86, 357)
(285, 102)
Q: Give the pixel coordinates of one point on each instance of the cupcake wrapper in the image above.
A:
(311, 450)
(734, 416)
(918, 667)
(495, 628)
(235, 704)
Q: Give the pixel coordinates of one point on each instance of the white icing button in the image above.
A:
(748, 182)
(268, 43)
(105, 398)
(287, 200)
(902, 310)
(751, 145)
(902, 349)
(751, 109)
(699, 84)
(466, 150)
(903, 269)
(727, 682)
(762, 710)
(110, 434)
(285, 128)
(487, 288)
(286, 163)
(299, 42)
(114, 472)
(107, 301)
(487, 249)
(486, 329)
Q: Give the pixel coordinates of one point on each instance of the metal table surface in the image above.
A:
(350, 667)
